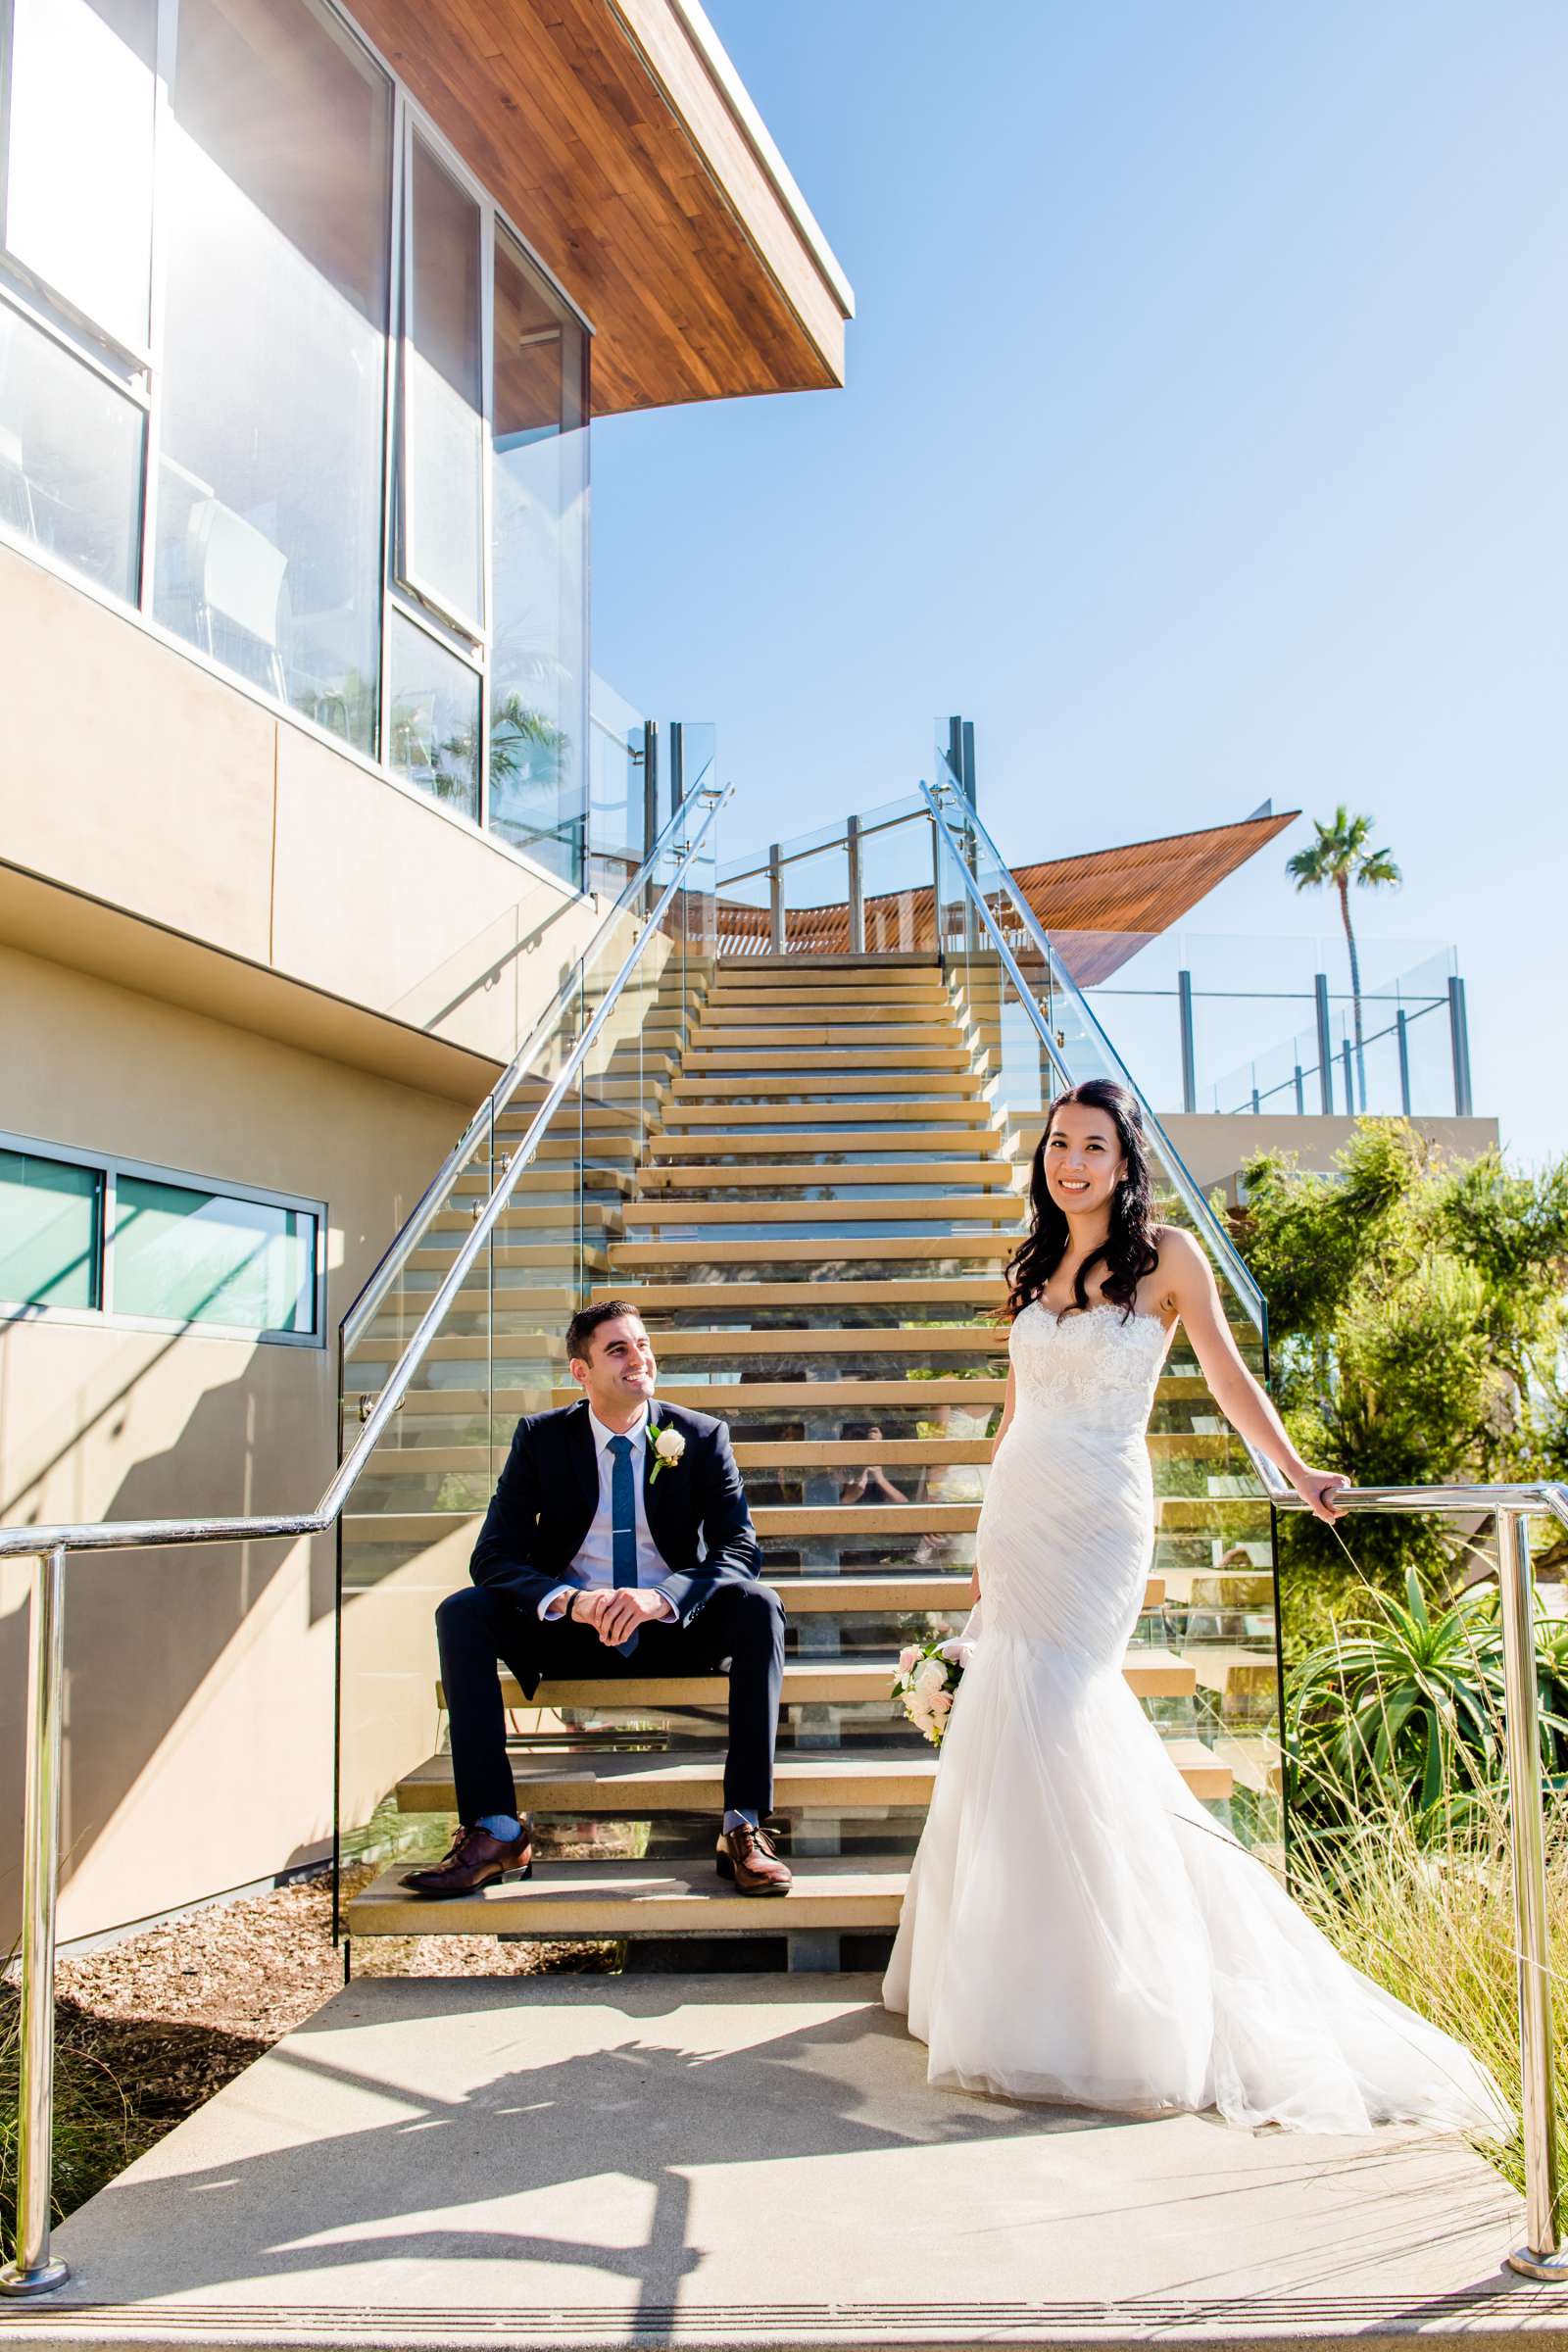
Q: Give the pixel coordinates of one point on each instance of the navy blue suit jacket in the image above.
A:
(547, 1493)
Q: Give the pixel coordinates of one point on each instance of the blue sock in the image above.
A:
(505, 1825)
(734, 1817)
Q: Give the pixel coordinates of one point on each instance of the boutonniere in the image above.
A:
(668, 1446)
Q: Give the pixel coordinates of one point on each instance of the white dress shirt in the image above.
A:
(595, 1563)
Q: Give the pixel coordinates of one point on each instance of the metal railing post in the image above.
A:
(1300, 1092)
(775, 896)
(1539, 2256)
(1403, 1028)
(649, 787)
(1325, 1043)
(1350, 1081)
(1459, 1036)
(34, 2272)
(1184, 1006)
(856, 886)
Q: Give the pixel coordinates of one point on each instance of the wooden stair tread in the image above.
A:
(808, 1682)
(623, 1781)
(670, 1896)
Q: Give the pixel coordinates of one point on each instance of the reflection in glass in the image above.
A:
(71, 458)
(78, 196)
(269, 551)
(50, 1221)
(442, 394)
(187, 1257)
(539, 547)
(434, 723)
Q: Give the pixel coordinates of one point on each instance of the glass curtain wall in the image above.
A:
(198, 310)
(274, 207)
(76, 118)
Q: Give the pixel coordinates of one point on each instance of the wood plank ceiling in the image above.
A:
(620, 161)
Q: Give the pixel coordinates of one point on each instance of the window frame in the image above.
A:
(109, 1167)
(138, 378)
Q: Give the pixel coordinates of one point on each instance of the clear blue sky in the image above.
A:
(1205, 442)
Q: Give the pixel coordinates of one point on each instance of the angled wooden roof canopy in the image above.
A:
(1099, 908)
(622, 143)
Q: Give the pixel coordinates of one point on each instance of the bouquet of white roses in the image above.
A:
(925, 1685)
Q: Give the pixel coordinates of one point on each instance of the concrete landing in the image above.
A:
(727, 2161)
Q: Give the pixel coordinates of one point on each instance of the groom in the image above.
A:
(617, 1543)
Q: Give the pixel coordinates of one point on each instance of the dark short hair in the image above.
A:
(586, 1321)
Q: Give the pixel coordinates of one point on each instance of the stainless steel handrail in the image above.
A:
(35, 2270)
(1544, 2255)
(416, 1223)
(812, 847)
(1186, 1185)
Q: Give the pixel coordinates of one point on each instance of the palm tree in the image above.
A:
(1340, 856)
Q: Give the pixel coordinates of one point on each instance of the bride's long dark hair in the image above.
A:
(1129, 1251)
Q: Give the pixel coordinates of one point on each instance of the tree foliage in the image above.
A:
(1418, 1316)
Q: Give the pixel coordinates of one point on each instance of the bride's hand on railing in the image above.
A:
(1316, 1488)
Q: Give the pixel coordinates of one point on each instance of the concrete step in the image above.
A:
(633, 1784)
(770, 1050)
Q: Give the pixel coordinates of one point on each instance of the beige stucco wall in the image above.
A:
(199, 1696)
(134, 774)
(1214, 1148)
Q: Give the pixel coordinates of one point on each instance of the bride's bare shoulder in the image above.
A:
(1181, 1261)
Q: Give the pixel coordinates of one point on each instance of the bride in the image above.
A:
(1077, 1927)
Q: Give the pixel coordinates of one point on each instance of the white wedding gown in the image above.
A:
(1077, 1928)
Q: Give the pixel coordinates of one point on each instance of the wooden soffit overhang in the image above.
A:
(620, 140)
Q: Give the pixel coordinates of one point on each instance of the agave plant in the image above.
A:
(1411, 1699)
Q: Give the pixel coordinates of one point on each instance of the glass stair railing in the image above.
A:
(1033, 1033)
(813, 1224)
(404, 1539)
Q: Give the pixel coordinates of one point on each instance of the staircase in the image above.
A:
(804, 1181)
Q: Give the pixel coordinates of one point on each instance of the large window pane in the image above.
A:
(442, 394)
(433, 728)
(539, 528)
(71, 458)
(78, 194)
(188, 1256)
(269, 550)
(50, 1215)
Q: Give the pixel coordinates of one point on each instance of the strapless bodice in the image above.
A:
(1100, 1369)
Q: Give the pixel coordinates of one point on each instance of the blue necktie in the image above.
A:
(622, 1515)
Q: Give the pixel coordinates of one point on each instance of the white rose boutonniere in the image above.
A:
(668, 1446)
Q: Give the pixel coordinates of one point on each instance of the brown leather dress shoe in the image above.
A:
(747, 1856)
(475, 1859)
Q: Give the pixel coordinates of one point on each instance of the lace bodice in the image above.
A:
(1099, 1368)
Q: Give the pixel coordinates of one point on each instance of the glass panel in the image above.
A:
(433, 726)
(71, 458)
(539, 489)
(615, 789)
(189, 1257)
(1212, 1565)
(78, 196)
(269, 497)
(50, 1220)
(410, 1526)
(442, 394)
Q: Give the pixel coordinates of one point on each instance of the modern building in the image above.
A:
(313, 801)
(305, 315)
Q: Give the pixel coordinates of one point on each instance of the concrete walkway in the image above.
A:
(736, 2160)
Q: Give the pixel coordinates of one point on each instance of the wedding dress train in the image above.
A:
(1077, 1928)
